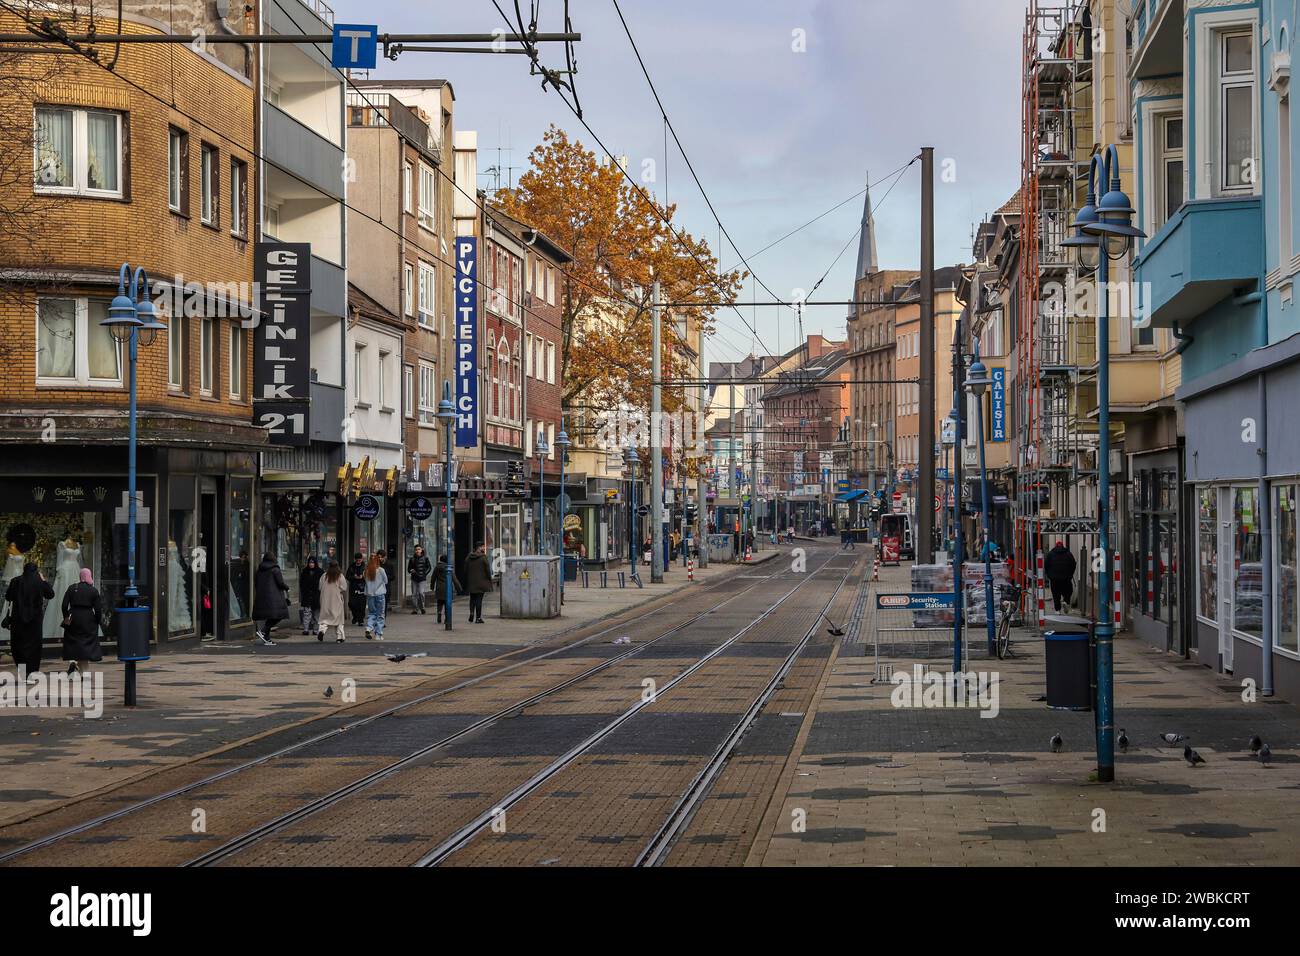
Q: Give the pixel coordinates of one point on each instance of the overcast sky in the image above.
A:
(776, 136)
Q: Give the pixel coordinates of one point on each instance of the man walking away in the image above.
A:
(417, 568)
(270, 599)
(1059, 568)
(440, 586)
(478, 581)
(356, 575)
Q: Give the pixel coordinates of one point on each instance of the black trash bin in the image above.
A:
(1069, 679)
(571, 565)
(133, 627)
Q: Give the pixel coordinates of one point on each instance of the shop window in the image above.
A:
(1207, 537)
(1285, 562)
(182, 586)
(73, 348)
(241, 557)
(1247, 572)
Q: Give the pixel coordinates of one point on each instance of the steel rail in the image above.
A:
(144, 804)
(467, 833)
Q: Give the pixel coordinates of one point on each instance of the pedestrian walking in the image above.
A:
(270, 599)
(83, 616)
(439, 586)
(417, 569)
(1058, 567)
(309, 596)
(356, 575)
(27, 594)
(478, 581)
(333, 604)
(376, 596)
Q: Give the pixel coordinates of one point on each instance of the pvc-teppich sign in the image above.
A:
(918, 601)
(466, 342)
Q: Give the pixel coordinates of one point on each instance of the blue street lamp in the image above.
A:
(562, 443)
(977, 383)
(632, 459)
(132, 320)
(959, 546)
(1104, 232)
(447, 414)
(543, 450)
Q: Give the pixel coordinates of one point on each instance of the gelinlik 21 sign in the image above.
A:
(466, 342)
(282, 341)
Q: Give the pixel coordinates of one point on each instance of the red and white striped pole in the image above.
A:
(690, 569)
(1038, 588)
(1117, 597)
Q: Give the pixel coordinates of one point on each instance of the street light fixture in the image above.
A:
(632, 459)
(1087, 248)
(562, 443)
(1113, 229)
(543, 450)
(447, 415)
(132, 320)
(977, 383)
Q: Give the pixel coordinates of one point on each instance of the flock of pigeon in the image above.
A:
(1257, 746)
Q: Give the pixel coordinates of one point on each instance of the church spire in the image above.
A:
(866, 245)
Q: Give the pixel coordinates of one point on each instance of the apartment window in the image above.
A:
(384, 357)
(550, 441)
(428, 201)
(238, 355)
(528, 356)
(408, 391)
(271, 220)
(1284, 218)
(528, 438)
(358, 376)
(207, 355)
(1236, 102)
(408, 288)
(208, 184)
(550, 286)
(72, 347)
(178, 170)
(78, 152)
(406, 187)
(550, 363)
(178, 348)
(428, 300)
(1170, 170)
(238, 197)
(428, 394)
(539, 358)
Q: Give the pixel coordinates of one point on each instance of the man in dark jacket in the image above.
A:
(270, 599)
(27, 595)
(478, 581)
(439, 586)
(417, 569)
(1058, 567)
(356, 575)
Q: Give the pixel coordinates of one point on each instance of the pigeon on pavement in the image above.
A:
(1265, 754)
(1191, 756)
(1056, 743)
(329, 691)
(1123, 741)
(1172, 739)
(1255, 744)
(398, 658)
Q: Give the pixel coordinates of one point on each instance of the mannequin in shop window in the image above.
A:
(178, 599)
(67, 573)
(13, 568)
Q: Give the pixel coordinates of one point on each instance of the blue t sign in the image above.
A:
(355, 46)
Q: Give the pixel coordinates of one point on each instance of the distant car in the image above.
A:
(899, 526)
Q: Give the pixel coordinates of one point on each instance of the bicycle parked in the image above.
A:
(1010, 600)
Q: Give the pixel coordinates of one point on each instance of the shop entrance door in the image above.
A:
(204, 571)
(1226, 578)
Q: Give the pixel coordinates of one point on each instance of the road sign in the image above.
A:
(355, 46)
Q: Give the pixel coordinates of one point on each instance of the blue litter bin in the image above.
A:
(133, 627)
(1069, 670)
(571, 562)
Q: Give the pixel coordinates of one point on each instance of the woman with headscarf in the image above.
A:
(27, 595)
(270, 599)
(356, 575)
(83, 610)
(309, 596)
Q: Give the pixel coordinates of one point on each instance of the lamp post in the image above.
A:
(562, 443)
(543, 450)
(951, 439)
(1104, 232)
(447, 414)
(977, 383)
(632, 459)
(132, 320)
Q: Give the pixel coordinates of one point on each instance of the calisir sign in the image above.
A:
(282, 341)
(466, 342)
(998, 405)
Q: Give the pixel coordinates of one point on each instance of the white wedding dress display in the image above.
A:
(67, 574)
(179, 617)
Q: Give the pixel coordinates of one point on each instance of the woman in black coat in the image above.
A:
(27, 595)
(309, 596)
(84, 607)
(270, 599)
(356, 575)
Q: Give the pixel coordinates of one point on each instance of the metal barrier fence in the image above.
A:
(913, 625)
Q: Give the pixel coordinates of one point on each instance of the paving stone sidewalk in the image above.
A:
(887, 786)
(198, 698)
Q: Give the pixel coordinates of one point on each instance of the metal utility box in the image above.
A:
(722, 547)
(530, 586)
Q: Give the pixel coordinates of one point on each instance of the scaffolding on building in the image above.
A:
(1055, 441)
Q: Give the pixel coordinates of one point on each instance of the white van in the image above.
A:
(899, 526)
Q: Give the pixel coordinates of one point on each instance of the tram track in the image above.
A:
(338, 794)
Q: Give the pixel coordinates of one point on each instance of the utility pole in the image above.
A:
(958, 452)
(656, 445)
(925, 453)
(701, 480)
(731, 445)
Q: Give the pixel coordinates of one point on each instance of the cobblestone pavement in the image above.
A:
(877, 785)
(196, 699)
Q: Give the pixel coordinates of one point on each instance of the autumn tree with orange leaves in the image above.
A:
(620, 242)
